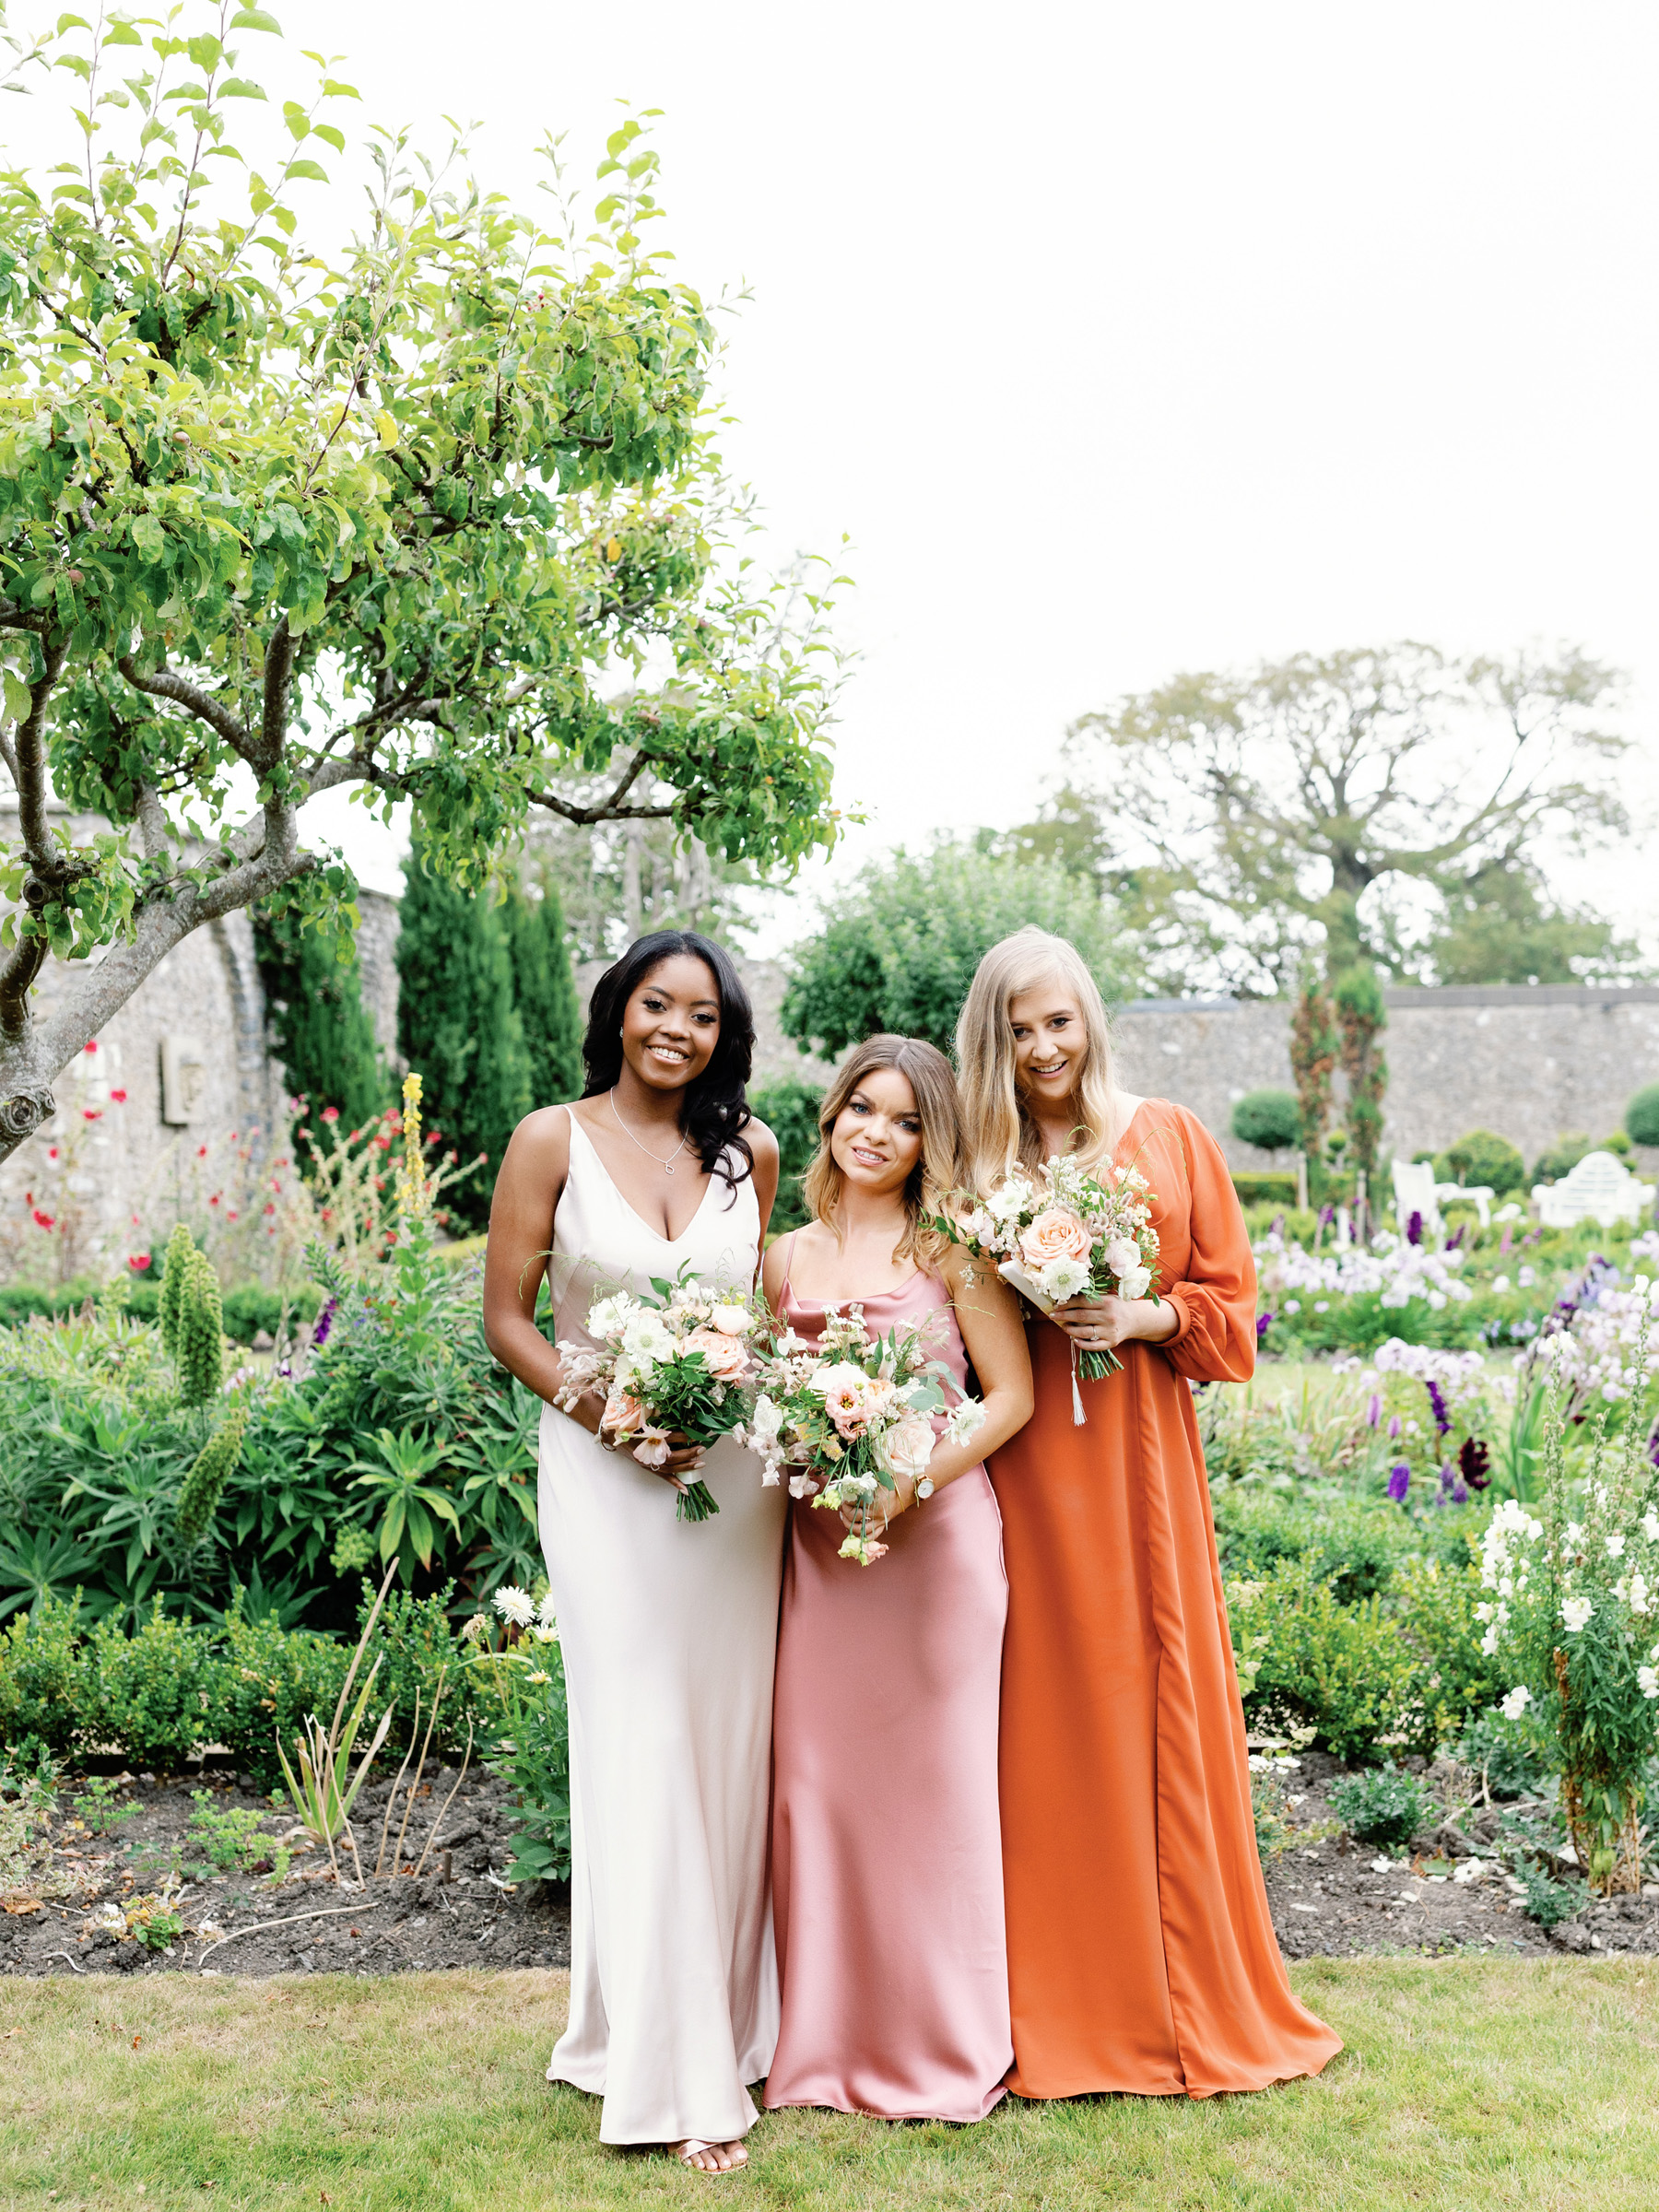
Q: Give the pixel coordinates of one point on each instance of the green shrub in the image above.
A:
(157, 1692)
(533, 1757)
(1352, 1543)
(1480, 1159)
(1641, 1116)
(1271, 1120)
(790, 1110)
(46, 1684)
(1561, 1157)
(1433, 1602)
(271, 1678)
(1341, 1669)
(1387, 1805)
(1275, 1187)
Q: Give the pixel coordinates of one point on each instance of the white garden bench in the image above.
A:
(1601, 1188)
(1478, 1194)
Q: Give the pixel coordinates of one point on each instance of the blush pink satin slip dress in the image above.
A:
(886, 1844)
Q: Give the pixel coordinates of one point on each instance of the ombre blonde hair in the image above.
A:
(996, 1129)
(939, 1164)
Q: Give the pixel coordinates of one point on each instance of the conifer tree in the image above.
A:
(314, 988)
(458, 1027)
(545, 991)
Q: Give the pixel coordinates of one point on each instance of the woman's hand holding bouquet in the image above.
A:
(852, 1420)
(673, 1370)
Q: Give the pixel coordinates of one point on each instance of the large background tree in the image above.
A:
(433, 513)
(1383, 806)
(899, 948)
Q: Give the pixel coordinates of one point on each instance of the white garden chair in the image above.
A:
(1601, 1188)
(1413, 1189)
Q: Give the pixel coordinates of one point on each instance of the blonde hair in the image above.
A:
(938, 1165)
(996, 1129)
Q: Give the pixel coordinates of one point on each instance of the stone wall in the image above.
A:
(1533, 1064)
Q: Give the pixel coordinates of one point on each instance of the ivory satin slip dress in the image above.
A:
(668, 1630)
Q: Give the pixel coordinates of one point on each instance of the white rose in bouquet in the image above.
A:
(732, 1321)
(906, 1447)
(1134, 1282)
(1122, 1255)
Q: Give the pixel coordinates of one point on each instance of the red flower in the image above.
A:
(42, 1221)
(92, 1113)
(231, 1215)
(270, 1209)
(119, 1096)
(201, 1152)
(91, 1045)
(330, 1113)
(52, 1152)
(384, 1143)
(215, 1199)
(138, 1261)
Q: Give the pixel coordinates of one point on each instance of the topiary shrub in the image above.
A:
(1483, 1158)
(1269, 1119)
(1387, 1805)
(1641, 1116)
(44, 1686)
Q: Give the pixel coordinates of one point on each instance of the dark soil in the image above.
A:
(94, 1893)
(1331, 1899)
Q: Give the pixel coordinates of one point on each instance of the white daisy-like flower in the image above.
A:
(514, 1605)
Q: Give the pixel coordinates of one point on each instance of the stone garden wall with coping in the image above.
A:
(1531, 1062)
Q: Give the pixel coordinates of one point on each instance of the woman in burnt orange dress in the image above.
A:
(1141, 1952)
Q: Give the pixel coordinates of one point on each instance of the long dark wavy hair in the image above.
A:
(714, 1112)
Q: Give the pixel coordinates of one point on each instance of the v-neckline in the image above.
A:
(624, 1201)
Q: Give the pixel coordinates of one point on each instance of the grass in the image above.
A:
(1496, 2082)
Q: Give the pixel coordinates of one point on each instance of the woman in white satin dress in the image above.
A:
(668, 1628)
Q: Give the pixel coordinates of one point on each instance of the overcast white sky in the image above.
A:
(1127, 338)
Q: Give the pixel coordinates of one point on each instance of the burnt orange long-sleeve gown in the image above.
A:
(1141, 1952)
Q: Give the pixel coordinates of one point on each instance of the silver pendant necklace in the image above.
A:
(666, 1165)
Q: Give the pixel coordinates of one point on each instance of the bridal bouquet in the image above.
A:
(852, 1414)
(684, 1359)
(1064, 1230)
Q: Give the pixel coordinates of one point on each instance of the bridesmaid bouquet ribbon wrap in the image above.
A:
(683, 1362)
(1066, 1232)
(852, 1414)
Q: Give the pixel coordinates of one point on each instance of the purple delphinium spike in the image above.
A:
(325, 1322)
(1413, 1229)
(1456, 1239)
(1399, 1482)
(1373, 1411)
(1443, 1420)
(1263, 1322)
(1394, 1428)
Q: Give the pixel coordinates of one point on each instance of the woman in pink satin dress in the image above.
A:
(887, 1842)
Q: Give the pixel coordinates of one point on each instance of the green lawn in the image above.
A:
(1466, 2083)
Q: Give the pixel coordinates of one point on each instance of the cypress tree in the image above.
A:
(458, 1028)
(313, 987)
(545, 991)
